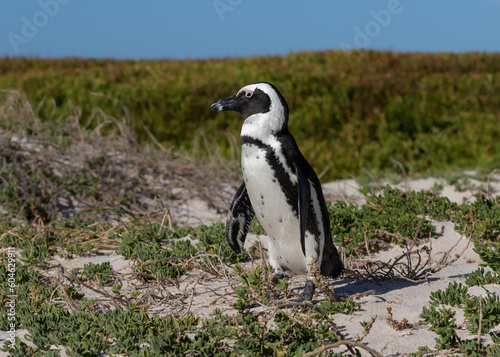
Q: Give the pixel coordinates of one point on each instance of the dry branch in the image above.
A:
(348, 344)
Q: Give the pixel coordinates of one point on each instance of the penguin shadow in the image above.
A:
(349, 287)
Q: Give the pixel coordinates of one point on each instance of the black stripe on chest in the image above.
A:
(290, 190)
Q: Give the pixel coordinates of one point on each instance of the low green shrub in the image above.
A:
(482, 313)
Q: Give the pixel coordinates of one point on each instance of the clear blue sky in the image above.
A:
(228, 28)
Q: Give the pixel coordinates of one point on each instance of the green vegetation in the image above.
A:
(158, 254)
(141, 243)
(103, 272)
(482, 313)
(392, 215)
(349, 111)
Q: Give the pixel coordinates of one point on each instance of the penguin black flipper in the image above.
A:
(239, 218)
(304, 199)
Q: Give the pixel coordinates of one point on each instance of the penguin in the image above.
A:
(281, 188)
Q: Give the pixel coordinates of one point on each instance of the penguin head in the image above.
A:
(261, 103)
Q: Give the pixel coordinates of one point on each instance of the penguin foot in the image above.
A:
(276, 277)
(272, 292)
(308, 293)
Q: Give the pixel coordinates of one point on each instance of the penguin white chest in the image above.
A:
(277, 217)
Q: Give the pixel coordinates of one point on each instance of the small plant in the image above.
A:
(495, 349)
(116, 289)
(22, 349)
(482, 313)
(35, 253)
(213, 241)
(74, 250)
(490, 255)
(442, 322)
(471, 348)
(160, 253)
(256, 286)
(481, 277)
(454, 295)
(348, 306)
(367, 326)
(103, 272)
(73, 293)
(153, 260)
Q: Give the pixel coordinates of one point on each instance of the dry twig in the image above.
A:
(348, 344)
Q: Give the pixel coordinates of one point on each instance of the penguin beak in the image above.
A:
(229, 103)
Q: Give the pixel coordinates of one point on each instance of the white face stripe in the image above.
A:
(270, 122)
(248, 92)
(266, 88)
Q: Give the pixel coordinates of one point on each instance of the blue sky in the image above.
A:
(229, 28)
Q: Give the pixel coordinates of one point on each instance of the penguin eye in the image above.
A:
(248, 92)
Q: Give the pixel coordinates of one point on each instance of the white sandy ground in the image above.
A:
(200, 292)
